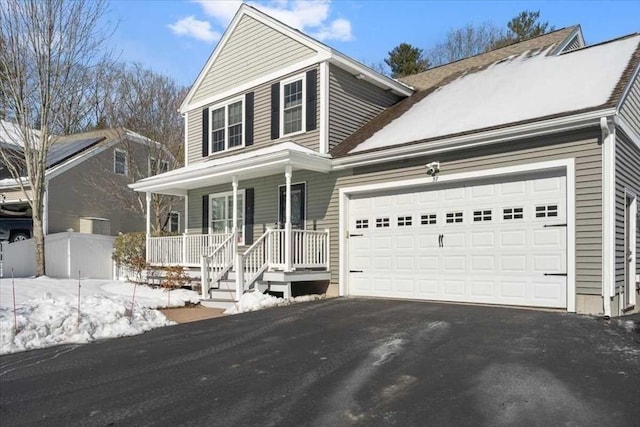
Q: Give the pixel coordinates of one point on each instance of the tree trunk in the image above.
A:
(38, 236)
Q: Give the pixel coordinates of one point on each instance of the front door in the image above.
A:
(298, 206)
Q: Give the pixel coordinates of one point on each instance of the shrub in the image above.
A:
(129, 251)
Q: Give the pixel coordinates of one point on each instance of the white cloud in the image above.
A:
(340, 29)
(309, 16)
(192, 27)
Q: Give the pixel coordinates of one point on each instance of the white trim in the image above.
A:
(608, 213)
(567, 164)
(324, 107)
(227, 194)
(528, 130)
(633, 233)
(303, 125)
(577, 32)
(186, 137)
(186, 212)
(126, 161)
(246, 87)
(225, 105)
(324, 53)
(45, 207)
(628, 130)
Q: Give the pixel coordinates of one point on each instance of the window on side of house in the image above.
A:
(292, 104)
(227, 125)
(157, 166)
(221, 214)
(120, 162)
(174, 222)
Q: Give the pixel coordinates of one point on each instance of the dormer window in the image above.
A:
(293, 105)
(227, 123)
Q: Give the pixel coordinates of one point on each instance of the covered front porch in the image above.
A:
(226, 248)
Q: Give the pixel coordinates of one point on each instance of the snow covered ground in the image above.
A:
(47, 311)
(252, 301)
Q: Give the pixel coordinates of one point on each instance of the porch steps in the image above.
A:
(217, 303)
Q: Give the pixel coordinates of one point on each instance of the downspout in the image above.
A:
(608, 213)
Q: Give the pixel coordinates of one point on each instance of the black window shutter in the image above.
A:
(275, 111)
(248, 115)
(312, 104)
(205, 132)
(205, 214)
(248, 216)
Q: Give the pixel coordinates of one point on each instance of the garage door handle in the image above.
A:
(554, 225)
(356, 235)
(441, 240)
(356, 271)
(555, 274)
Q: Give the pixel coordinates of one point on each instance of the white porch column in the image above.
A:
(148, 228)
(234, 216)
(287, 220)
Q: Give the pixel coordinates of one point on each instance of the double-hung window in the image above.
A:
(293, 114)
(174, 222)
(120, 162)
(157, 166)
(221, 214)
(227, 123)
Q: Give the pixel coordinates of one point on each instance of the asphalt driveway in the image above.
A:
(339, 362)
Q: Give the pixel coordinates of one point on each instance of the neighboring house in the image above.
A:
(507, 178)
(86, 182)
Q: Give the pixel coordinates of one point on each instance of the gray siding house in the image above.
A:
(508, 178)
(86, 184)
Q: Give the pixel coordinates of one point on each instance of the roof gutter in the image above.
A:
(528, 130)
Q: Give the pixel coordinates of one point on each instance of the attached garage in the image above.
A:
(492, 240)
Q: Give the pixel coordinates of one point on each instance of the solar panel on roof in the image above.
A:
(62, 151)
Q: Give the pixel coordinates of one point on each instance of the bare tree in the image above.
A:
(49, 50)
(464, 42)
(146, 103)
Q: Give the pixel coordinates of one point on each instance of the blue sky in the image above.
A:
(176, 37)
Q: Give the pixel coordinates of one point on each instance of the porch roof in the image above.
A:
(245, 165)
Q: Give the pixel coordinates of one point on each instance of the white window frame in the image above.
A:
(283, 83)
(171, 230)
(126, 162)
(241, 209)
(226, 105)
(162, 162)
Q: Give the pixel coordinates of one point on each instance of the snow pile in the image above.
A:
(47, 311)
(253, 301)
(522, 87)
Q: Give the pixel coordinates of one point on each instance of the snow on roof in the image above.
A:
(522, 87)
(10, 133)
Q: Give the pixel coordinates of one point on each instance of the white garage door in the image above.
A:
(495, 242)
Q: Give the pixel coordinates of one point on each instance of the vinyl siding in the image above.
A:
(253, 50)
(92, 189)
(584, 147)
(261, 125)
(323, 192)
(630, 108)
(627, 180)
(352, 103)
(319, 190)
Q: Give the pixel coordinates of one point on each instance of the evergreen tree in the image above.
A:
(405, 59)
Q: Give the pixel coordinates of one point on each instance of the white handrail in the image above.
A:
(215, 265)
(255, 260)
(310, 249)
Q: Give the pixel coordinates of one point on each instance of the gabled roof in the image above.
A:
(324, 53)
(532, 86)
(70, 150)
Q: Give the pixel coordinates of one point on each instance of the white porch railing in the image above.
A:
(186, 250)
(216, 264)
(309, 249)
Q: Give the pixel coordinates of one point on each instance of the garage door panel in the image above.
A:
(482, 243)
